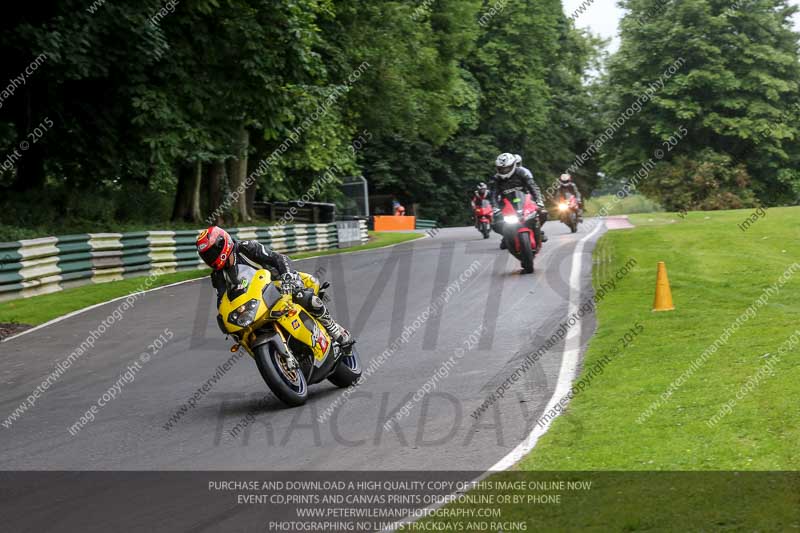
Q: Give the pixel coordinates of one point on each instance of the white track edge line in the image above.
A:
(565, 376)
(569, 362)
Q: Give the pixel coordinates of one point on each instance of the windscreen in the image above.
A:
(516, 198)
(238, 278)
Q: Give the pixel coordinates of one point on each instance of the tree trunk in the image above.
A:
(29, 161)
(181, 209)
(197, 179)
(251, 200)
(214, 174)
(262, 151)
(237, 174)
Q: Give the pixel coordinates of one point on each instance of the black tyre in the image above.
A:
(288, 385)
(487, 231)
(526, 254)
(348, 371)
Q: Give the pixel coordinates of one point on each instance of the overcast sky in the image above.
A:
(603, 16)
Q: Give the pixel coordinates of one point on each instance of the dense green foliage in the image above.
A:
(131, 113)
(727, 120)
(144, 116)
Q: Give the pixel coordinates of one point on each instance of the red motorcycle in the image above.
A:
(520, 227)
(568, 212)
(484, 218)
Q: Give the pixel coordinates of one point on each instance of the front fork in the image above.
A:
(274, 336)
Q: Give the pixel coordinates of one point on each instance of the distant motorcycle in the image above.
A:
(568, 212)
(520, 226)
(484, 218)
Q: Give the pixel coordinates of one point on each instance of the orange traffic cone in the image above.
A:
(663, 299)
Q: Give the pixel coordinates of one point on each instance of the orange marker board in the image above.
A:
(391, 223)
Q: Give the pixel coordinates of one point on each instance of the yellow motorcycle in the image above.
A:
(291, 348)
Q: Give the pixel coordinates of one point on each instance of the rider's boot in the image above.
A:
(346, 341)
(337, 332)
(542, 219)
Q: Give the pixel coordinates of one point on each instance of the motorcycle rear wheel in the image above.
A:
(288, 385)
(348, 371)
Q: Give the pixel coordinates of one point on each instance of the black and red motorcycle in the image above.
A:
(520, 227)
(484, 217)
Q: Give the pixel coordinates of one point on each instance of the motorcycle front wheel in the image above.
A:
(525, 253)
(289, 385)
(348, 371)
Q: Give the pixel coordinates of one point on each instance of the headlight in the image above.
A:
(563, 206)
(511, 219)
(245, 314)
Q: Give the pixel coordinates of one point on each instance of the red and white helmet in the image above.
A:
(215, 246)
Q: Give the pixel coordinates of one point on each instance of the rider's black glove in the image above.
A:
(290, 282)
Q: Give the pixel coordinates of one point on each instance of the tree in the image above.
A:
(193, 114)
(735, 91)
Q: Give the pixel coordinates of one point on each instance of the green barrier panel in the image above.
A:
(48, 264)
(426, 224)
(10, 265)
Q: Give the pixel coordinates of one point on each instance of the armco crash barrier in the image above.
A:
(50, 264)
(426, 224)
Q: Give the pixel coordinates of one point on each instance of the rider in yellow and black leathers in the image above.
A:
(221, 252)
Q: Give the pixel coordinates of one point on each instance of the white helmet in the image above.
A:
(565, 179)
(507, 164)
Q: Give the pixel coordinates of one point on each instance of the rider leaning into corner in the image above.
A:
(222, 253)
(567, 186)
(512, 176)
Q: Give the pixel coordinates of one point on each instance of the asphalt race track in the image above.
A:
(379, 295)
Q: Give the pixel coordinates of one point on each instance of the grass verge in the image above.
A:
(717, 271)
(609, 204)
(39, 309)
(662, 428)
